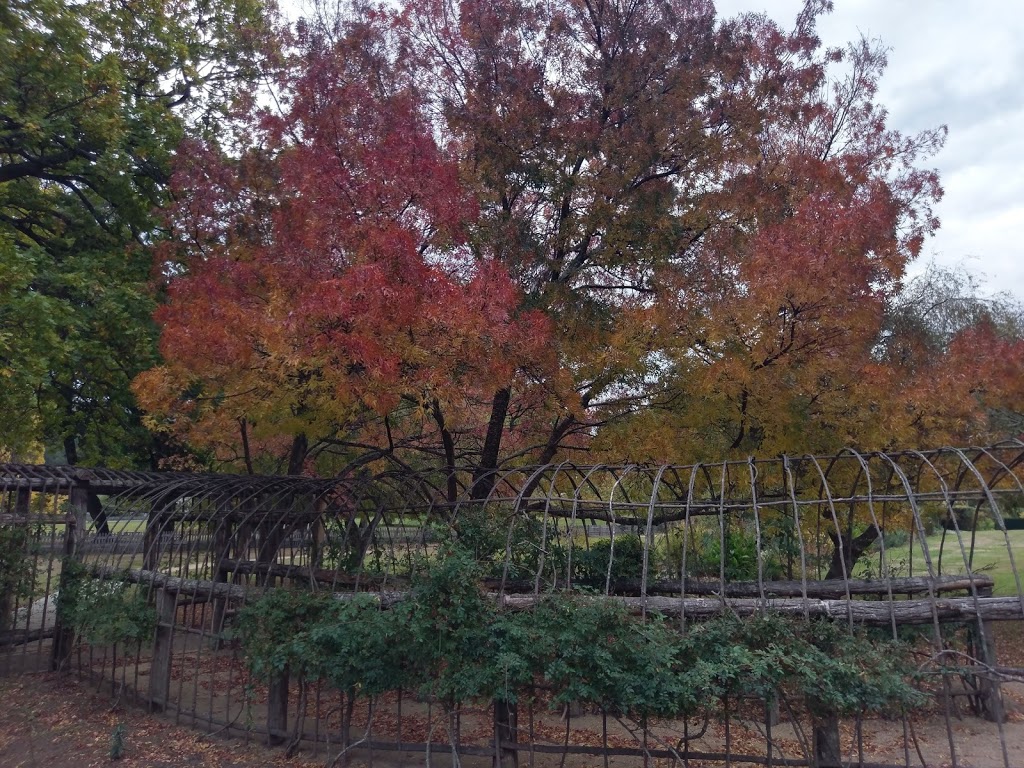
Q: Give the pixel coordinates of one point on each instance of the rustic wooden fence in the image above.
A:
(880, 540)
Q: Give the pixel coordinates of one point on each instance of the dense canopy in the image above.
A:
(471, 234)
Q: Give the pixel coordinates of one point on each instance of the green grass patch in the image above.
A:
(992, 553)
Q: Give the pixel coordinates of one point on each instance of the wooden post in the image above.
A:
(505, 728)
(221, 550)
(827, 750)
(160, 666)
(277, 709)
(989, 700)
(771, 710)
(22, 502)
(271, 536)
(155, 524)
(74, 532)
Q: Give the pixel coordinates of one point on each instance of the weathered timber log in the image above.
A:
(205, 590)
(23, 636)
(10, 518)
(872, 613)
(174, 584)
(325, 576)
(832, 589)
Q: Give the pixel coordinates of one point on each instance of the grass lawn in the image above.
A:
(991, 556)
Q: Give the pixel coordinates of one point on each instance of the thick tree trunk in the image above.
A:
(96, 513)
(828, 751)
(297, 455)
(449, 453)
(848, 550)
(70, 450)
(483, 477)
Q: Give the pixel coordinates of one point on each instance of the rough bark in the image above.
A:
(483, 477)
(847, 550)
(872, 613)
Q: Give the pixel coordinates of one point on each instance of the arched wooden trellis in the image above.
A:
(886, 540)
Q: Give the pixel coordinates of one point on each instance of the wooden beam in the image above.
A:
(868, 612)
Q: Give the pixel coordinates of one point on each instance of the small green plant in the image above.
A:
(621, 558)
(104, 611)
(17, 574)
(117, 742)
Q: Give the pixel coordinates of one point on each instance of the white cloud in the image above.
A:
(957, 64)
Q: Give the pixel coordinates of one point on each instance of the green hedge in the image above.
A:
(449, 641)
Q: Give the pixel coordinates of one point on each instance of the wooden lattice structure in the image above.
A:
(881, 540)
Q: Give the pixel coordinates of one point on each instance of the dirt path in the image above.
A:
(51, 721)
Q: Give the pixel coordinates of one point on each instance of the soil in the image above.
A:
(57, 721)
(51, 720)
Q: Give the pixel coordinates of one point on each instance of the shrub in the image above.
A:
(448, 640)
(104, 611)
(624, 554)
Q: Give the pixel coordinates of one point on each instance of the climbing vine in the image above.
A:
(104, 611)
(448, 640)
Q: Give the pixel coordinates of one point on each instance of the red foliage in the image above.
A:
(508, 231)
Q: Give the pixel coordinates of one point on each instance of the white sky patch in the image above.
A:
(959, 64)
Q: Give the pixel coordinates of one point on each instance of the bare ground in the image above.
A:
(49, 720)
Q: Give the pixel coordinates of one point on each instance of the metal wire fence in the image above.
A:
(919, 546)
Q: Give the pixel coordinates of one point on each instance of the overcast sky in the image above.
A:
(960, 64)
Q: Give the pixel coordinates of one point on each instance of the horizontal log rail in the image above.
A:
(832, 588)
(23, 636)
(869, 613)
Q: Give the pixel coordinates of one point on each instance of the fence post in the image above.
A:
(983, 647)
(827, 750)
(506, 726)
(23, 501)
(74, 532)
(160, 666)
(277, 708)
(221, 550)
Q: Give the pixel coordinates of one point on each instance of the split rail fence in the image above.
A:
(921, 539)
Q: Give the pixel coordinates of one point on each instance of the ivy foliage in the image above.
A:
(104, 611)
(621, 559)
(448, 640)
(17, 572)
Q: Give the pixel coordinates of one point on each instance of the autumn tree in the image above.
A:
(483, 233)
(323, 297)
(94, 99)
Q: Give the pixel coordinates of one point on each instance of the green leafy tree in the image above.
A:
(94, 99)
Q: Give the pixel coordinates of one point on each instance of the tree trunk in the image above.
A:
(848, 550)
(827, 749)
(96, 513)
(449, 453)
(483, 477)
(297, 455)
